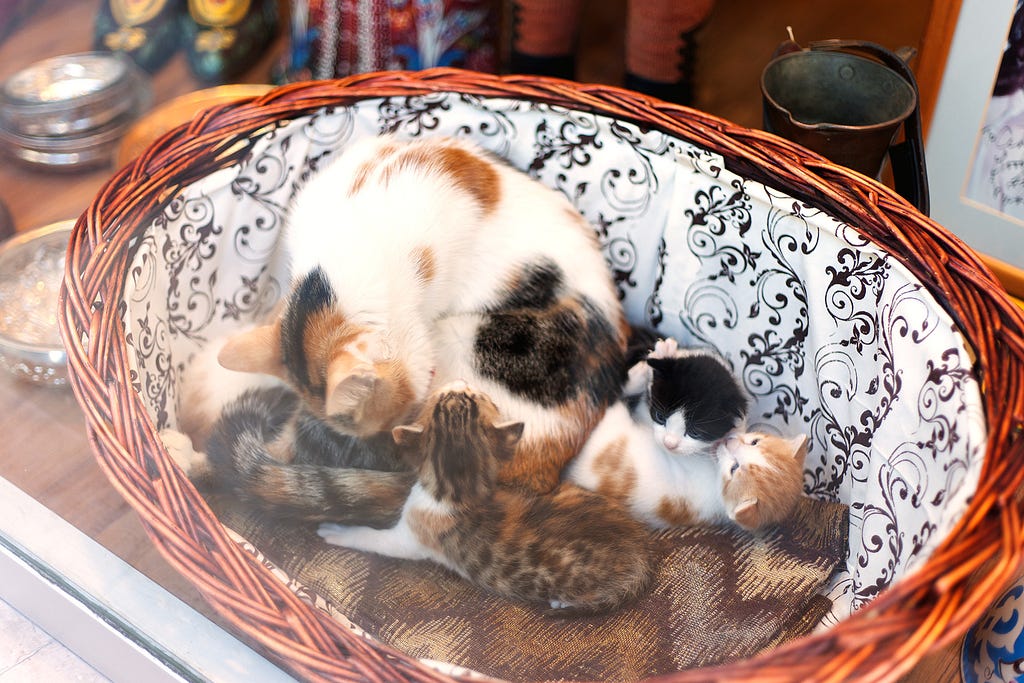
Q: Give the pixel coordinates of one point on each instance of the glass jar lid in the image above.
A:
(65, 78)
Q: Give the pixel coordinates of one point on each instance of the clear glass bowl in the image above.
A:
(31, 271)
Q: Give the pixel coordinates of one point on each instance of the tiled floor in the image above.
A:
(29, 655)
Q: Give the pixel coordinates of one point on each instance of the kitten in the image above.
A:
(681, 458)
(569, 549)
(416, 263)
(762, 477)
(251, 435)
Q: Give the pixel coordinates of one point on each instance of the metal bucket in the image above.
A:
(849, 109)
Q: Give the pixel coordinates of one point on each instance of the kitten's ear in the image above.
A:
(799, 444)
(408, 439)
(407, 436)
(660, 365)
(748, 514)
(257, 350)
(509, 434)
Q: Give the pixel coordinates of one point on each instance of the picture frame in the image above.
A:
(956, 117)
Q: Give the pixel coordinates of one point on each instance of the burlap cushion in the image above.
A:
(720, 595)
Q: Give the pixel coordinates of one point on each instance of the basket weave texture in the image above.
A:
(932, 607)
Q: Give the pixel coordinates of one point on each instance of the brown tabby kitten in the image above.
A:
(570, 550)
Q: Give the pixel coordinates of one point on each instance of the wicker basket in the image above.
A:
(928, 607)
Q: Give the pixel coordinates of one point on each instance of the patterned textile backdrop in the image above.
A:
(830, 335)
(336, 38)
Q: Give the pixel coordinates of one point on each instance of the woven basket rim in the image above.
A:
(928, 609)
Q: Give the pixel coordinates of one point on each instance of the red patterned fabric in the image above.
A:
(335, 38)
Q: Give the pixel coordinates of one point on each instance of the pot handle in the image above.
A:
(910, 175)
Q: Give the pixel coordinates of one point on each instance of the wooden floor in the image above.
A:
(45, 451)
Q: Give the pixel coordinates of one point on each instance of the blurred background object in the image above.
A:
(220, 38)
(70, 111)
(335, 38)
(12, 12)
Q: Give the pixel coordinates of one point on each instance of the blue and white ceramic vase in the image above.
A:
(993, 650)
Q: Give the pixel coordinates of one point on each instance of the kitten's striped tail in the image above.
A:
(255, 453)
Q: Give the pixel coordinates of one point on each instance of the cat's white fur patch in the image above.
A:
(179, 447)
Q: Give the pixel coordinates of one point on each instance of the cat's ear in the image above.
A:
(256, 350)
(799, 445)
(748, 514)
(407, 436)
(408, 439)
(509, 434)
(661, 366)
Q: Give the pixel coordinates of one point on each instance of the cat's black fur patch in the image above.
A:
(312, 295)
(547, 353)
(703, 388)
(640, 343)
(318, 444)
(538, 288)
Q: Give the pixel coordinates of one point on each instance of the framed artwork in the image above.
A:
(975, 134)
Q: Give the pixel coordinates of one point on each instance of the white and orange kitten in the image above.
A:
(682, 457)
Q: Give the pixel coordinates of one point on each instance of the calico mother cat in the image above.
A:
(682, 456)
(415, 263)
(571, 549)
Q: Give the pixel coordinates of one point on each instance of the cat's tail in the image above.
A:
(259, 452)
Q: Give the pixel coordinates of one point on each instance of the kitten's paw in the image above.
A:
(335, 534)
(664, 348)
(179, 447)
(559, 604)
(637, 379)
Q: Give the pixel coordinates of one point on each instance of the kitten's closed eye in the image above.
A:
(735, 466)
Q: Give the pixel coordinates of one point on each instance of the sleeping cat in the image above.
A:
(682, 458)
(413, 264)
(570, 549)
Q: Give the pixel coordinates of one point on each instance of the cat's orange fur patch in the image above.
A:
(277, 485)
(193, 421)
(365, 170)
(282, 448)
(388, 407)
(426, 264)
(538, 463)
(375, 398)
(326, 333)
(430, 526)
(473, 175)
(616, 477)
(675, 512)
(775, 494)
(776, 488)
(468, 172)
